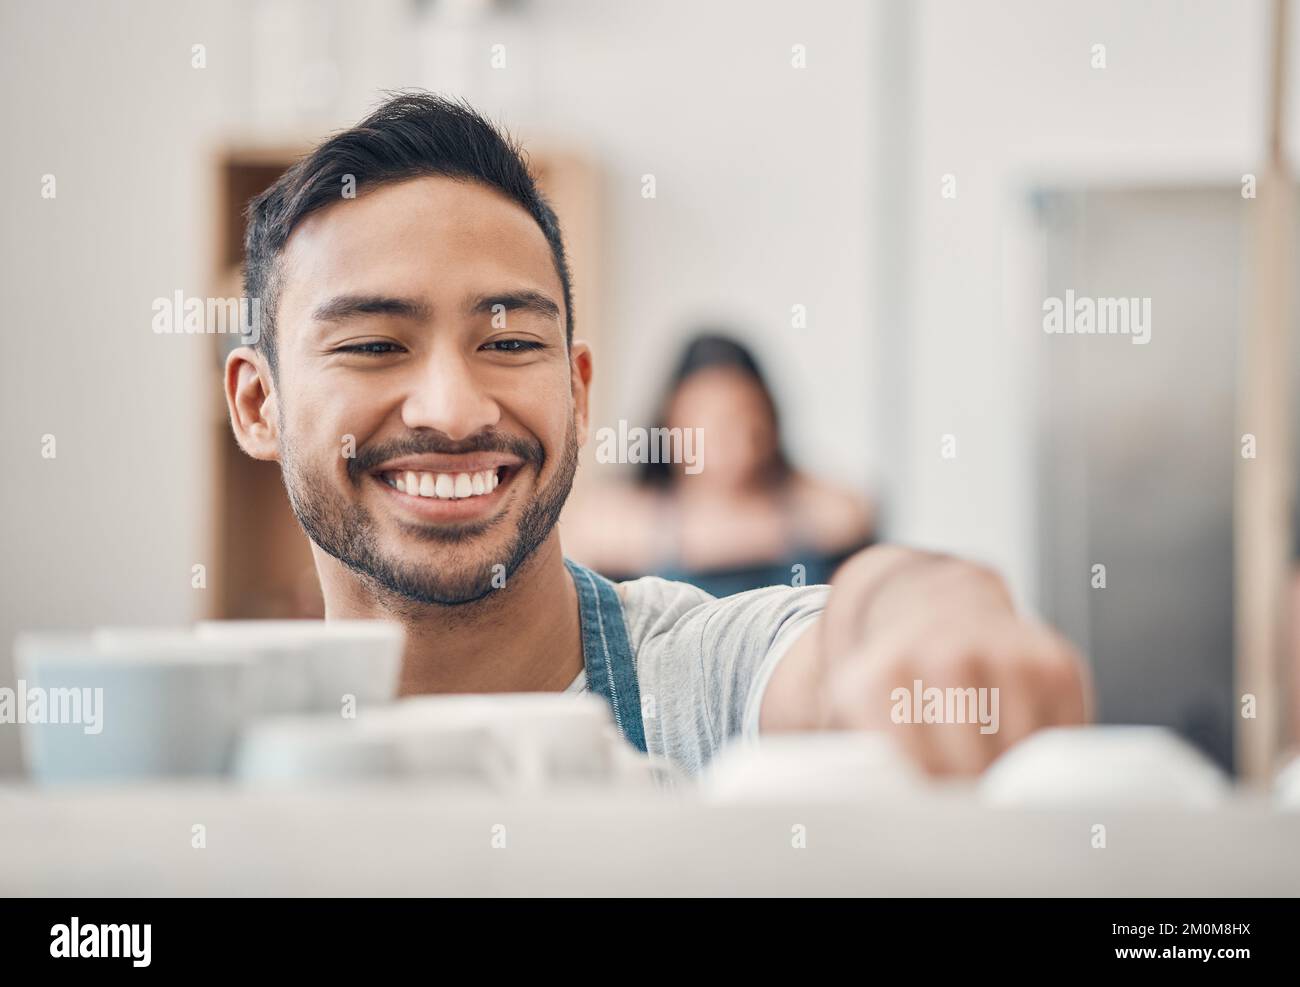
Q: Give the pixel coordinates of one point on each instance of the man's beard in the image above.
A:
(347, 531)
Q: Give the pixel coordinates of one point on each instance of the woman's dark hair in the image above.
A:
(707, 350)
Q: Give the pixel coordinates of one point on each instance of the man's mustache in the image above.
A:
(428, 441)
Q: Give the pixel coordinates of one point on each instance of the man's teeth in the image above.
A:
(444, 486)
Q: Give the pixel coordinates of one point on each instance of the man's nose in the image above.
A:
(447, 397)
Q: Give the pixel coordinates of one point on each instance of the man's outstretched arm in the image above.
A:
(897, 617)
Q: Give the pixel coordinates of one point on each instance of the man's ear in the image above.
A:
(251, 399)
(580, 377)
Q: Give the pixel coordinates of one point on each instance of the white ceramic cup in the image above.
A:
(165, 704)
(312, 666)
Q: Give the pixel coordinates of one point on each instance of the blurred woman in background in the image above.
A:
(746, 519)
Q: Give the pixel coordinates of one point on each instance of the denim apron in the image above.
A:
(606, 652)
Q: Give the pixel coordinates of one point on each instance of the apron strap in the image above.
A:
(606, 653)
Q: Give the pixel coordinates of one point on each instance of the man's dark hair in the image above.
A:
(412, 134)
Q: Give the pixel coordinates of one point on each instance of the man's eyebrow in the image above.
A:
(343, 307)
(512, 301)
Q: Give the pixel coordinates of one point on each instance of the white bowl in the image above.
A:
(1138, 766)
(313, 665)
(545, 738)
(313, 748)
(830, 766)
(1286, 786)
(507, 742)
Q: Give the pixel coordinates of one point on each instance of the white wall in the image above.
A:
(766, 182)
(107, 531)
(1004, 95)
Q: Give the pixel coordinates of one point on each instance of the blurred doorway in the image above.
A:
(1136, 449)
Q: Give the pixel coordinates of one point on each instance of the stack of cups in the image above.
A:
(514, 743)
(122, 704)
(295, 702)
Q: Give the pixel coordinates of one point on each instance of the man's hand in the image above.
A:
(930, 650)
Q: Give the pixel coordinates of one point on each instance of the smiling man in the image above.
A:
(419, 382)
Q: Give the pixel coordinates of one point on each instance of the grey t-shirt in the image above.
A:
(703, 663)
